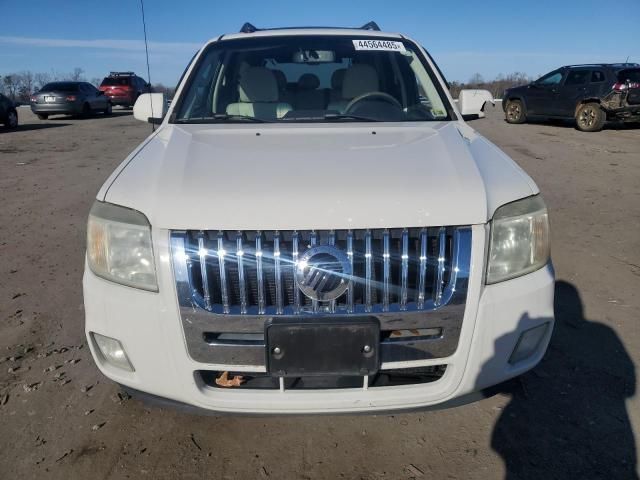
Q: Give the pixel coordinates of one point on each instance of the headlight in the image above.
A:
(519, 239)
(119, 246)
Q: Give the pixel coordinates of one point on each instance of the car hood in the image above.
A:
(315, 176)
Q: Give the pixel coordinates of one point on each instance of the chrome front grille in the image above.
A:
(252, 273)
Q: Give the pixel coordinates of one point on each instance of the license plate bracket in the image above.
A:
(297, 347)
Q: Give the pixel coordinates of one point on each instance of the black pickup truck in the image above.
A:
(590, 94)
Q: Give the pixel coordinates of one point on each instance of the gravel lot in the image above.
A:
(572, 417)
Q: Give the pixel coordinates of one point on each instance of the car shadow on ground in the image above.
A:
(33, 126)
(572, 125)
(115, 113)
(567, 418)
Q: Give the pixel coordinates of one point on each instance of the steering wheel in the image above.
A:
(371, 96)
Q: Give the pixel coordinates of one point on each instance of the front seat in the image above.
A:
(358, 79)
(258, 95)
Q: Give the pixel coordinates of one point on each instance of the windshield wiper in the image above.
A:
(221, 117)
(348, 116)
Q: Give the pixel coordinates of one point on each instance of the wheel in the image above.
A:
(86, 110)
(590, 117)
(514, 112)
(109, 109)
(43, 116)
(12, 119)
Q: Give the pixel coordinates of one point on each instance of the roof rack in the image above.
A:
(622, 64)
(121, 74)
(250, 28)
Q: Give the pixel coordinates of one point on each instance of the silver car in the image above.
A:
(69, 98)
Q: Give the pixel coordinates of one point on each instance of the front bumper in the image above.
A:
(150, 329)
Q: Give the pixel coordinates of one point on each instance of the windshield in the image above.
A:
(311, 79)
(115, 81)
(60, 87)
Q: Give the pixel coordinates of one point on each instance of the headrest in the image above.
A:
(308, 81)
(258, 84)
(359, 79)
(337, 79)
(281, 79)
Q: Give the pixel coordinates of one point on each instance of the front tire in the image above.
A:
(514, 112)
(590, 117)
(109, 109)
(42, 116)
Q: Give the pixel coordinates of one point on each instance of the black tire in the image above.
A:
(590, 117)
(42, 116)
(514, 112)
(109, 109)
(12, 119)
(86, 110)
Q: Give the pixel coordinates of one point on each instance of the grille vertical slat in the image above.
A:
(332, 241)
(294, 257)
(393, 270)
(423, 268)
(386, 273)
(313, 241)
(437, 291)
(350, 292)
(368, 259)
(259, 274)
(404, 280)
(277, 272)
(202, 253)
(242, 284)
(223, 274)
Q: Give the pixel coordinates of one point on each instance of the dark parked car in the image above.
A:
(590, 94)
(8, 112)
(124, 88)
(70, 98)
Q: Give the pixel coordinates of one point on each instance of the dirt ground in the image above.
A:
(577, 415)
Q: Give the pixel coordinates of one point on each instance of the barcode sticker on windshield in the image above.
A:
(384, 45)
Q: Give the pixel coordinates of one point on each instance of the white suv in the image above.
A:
(314, 228)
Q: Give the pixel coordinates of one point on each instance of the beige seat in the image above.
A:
(258, 95)
(358, 80)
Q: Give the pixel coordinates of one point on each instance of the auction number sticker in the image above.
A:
(384, 45)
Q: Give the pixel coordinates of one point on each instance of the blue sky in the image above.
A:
(464, 37)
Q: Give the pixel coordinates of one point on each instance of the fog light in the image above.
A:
(112, 351)
(528, 343)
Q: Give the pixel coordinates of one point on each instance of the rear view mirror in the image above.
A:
(314, 56)
(150, 107)
(471, 103)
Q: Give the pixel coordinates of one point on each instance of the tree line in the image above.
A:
(497, 86)
(19, 86)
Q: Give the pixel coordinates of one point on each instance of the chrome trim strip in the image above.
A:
(332, 241)
(223, 274)
(441, 267)
(386, 274)
(368, 271)
(202, 253)
(294, 257)
(259, 274)
(313, 240)
(423, 268)
(405, 270)
(241, 280)
(350, 255)
(277, 273)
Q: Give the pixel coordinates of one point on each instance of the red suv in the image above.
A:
(124, 88)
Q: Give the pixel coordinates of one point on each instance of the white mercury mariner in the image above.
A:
(314, 227)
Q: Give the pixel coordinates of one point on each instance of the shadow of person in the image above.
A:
(567, 418)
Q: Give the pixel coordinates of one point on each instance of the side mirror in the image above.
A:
(150, 107)
(100, 92)
(471, 103)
